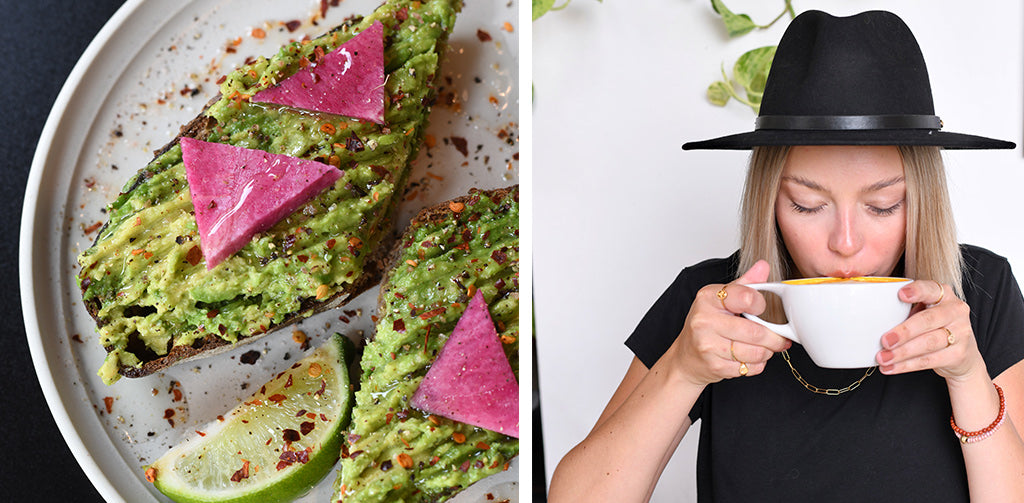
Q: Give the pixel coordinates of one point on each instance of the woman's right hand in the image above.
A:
(715, 342)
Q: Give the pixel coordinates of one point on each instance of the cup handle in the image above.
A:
(783, 330)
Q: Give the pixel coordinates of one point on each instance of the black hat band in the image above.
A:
(847, 122)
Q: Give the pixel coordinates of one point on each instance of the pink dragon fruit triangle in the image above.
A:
(347, 81)
(238, 192)
(471, 381)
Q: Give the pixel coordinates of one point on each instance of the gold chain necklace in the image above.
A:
(824, 391)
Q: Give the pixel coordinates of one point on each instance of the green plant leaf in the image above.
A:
(751, 72)
(541, 7)
(718, 93)
(735, 24)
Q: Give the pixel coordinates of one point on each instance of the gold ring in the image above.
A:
(733, 355)
(950, 338)
(942, 293)
(743, 369)
(722, 294)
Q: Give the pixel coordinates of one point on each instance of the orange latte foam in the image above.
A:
(857, 279)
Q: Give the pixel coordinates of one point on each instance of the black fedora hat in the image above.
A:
(858, 80)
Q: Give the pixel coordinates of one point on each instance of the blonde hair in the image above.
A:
(931, 248)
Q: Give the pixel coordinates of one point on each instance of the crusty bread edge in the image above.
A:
(431, 214)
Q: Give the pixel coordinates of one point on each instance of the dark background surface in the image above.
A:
(39, 45)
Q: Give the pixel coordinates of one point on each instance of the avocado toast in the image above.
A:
(144, 279)
(448, 254)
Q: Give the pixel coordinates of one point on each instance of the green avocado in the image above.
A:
(395, 452)
(144, 279)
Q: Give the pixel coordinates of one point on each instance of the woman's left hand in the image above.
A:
(937, 335)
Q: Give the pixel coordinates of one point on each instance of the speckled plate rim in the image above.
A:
(36, 258)
(41, 228)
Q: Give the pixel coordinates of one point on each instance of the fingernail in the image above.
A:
(885, 369)
(889, 340)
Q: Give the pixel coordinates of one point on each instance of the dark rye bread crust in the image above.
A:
(200, 128)
(434, 214)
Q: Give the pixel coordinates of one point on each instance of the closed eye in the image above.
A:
(884, 212)
(804, 210)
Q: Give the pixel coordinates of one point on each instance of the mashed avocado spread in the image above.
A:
(395, 452)
(144, 279)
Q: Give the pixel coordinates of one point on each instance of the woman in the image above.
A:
(845, 179)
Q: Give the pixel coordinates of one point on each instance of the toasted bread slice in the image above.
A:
(449, 252)
(144, 280)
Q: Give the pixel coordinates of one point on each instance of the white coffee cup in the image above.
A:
(839, 322)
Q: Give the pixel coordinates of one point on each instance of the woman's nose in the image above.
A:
(845, 238)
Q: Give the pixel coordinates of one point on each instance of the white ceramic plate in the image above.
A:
(151, 69)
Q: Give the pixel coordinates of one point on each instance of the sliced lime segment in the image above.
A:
(274, 446)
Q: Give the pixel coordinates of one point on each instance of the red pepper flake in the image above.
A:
(242, 473)
(201, 434)
(507, 27)
(430, 314)
(277, 398)
(331, 243)
(306, 427)
(151, 475)
(458, 437)
(212, 313)
(482, 446)
(389, 416)
(404, 459)
(328, 128)
(303, 258)
(483, 35)
(177, 394)
(465, 466)
(293, 25)
(108, 403)
(77, 338)
(398, 326)
(168, 413)
(92, 228)
(499, 256)
(456, 207)
(300, 413)
(258, 33)
(434, 460)
(194, 255)
(461, 145)
(288, 383)
(290, 435)
(315, 369)
(323, 388)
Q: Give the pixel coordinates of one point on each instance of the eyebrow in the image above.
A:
(879, 185)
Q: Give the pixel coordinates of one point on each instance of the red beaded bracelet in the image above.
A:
(969, 437)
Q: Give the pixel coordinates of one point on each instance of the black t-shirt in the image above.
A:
(767, 438)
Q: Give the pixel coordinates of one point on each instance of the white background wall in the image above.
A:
(619, 208)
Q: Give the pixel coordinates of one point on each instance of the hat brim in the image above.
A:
(779, 137)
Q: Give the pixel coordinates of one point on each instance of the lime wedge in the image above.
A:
(273, 447)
